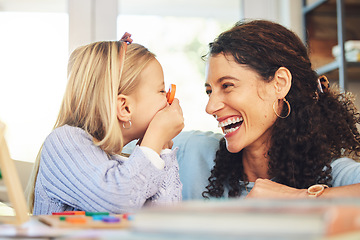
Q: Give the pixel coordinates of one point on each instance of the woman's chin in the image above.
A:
(233, 148)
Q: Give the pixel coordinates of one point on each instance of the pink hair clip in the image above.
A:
(126, 38)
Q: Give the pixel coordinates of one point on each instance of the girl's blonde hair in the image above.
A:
(95, 79)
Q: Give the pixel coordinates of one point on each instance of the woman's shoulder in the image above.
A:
(198, 138)
(197, 143)
(344, 162)
(345, 171)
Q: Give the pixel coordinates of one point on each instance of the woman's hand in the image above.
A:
(265, 188)
(166, 124)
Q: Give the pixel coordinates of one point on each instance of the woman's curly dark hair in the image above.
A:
(320, 128)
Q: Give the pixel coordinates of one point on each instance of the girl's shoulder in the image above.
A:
(67, 131)
(71, 144)
(67, 136)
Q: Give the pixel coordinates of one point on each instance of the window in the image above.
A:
(35, 48)
(34, 54)
(179, 40)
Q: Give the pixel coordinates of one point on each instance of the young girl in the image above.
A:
(115, 94)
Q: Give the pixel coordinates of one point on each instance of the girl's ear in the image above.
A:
(282, 82)
(123, 108)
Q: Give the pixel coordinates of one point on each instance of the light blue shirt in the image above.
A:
(196, 159)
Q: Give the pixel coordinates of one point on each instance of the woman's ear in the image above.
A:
(123, 108)
(282, 82)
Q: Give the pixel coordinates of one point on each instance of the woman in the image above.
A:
(285, 130)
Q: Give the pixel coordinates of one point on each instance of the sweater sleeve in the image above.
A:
(76, 172)
(195, 156)
(171, 186)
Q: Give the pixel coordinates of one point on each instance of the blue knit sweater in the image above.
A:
(75, 174)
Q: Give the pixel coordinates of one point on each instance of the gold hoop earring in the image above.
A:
(288, 106)
(128, 126)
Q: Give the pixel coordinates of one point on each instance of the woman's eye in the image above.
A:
(208, 92)
(226, 85)
(163, 91)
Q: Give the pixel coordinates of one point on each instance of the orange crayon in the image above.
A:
(170, 95)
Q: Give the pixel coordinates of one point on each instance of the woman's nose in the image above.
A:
(214, 105)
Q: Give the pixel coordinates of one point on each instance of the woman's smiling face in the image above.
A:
(241, 101)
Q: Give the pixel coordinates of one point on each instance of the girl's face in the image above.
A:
(148, 99)
(241, 102)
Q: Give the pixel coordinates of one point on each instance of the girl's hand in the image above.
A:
(168, 145)
(265, 188)
(166, 124)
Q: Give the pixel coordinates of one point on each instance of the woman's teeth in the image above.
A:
(226, 131)
(231, 124)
